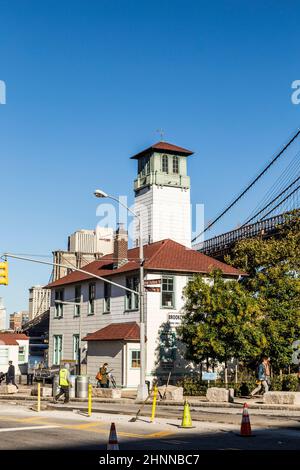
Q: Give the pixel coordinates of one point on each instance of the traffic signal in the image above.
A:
(4, 273)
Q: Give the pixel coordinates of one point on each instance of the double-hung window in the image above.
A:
(135, 359)
(132, 300)
(3, 356)
(76, 347)
(22, 352)
(165, 164)
(77, 299)
(57, 349)
(59, 306)
(107, 296)
(167, 293)
(175, 164)
(92, 297)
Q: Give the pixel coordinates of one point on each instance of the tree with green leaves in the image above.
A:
(273, 267)
(222, 320)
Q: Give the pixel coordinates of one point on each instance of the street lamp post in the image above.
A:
(142, 392)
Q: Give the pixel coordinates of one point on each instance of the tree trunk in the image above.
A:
(236, 373)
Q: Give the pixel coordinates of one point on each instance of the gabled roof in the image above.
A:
(164, 255)
(10, 339)
(116, 332)
(164, 147)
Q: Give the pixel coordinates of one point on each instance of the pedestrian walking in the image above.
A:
(263, 377)
(268, 372)
(64, 383)
(11, 374)
(30, 374)
(99, 378)
(104, 381)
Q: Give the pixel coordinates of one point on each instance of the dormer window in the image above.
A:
(175, 164)
(165, 164)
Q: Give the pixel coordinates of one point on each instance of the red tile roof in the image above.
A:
(116, 332)
(10, 339)
(164, 147)
(164, 255)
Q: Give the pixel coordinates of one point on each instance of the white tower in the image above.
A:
(162, 194)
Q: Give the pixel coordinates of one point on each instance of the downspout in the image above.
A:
(124, 368)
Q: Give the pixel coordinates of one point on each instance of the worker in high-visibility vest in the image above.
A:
(64, 383)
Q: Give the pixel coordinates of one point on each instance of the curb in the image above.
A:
(127, 401)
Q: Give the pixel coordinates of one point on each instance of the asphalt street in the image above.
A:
(22, 428)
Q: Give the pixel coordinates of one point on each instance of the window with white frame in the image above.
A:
(132, 300)
(107, 296)
(92, 297)
(167, 292)
(3, 356)
(75, 347)
(135, 360)
(22, 354)
(57, 349)
(175, 164)
(77, 299)
(165, 164)
(59, 306)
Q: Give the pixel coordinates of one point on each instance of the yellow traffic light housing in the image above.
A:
(4, 273)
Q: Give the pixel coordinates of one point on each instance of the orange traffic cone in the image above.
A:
(245, 425)
(113, 439)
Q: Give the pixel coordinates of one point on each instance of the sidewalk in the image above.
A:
(132, 404)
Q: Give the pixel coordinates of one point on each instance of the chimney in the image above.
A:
(120, 246)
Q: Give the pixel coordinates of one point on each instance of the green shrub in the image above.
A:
(197, 387)
(276, 384)
(244, 388)
(290, 383)
(192, 387)
(285, 383)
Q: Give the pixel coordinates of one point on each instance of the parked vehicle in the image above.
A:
(46, 374)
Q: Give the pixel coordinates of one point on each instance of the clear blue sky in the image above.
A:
(88, 84)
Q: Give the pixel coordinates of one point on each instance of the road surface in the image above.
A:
(22, 428)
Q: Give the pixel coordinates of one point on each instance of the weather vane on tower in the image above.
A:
(161, 133)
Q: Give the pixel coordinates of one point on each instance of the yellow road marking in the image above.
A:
(81, 426)
(126, 434)
(30, 420)
(160, 434)
(87, 427)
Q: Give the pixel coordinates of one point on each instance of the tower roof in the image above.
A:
(164, 147)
